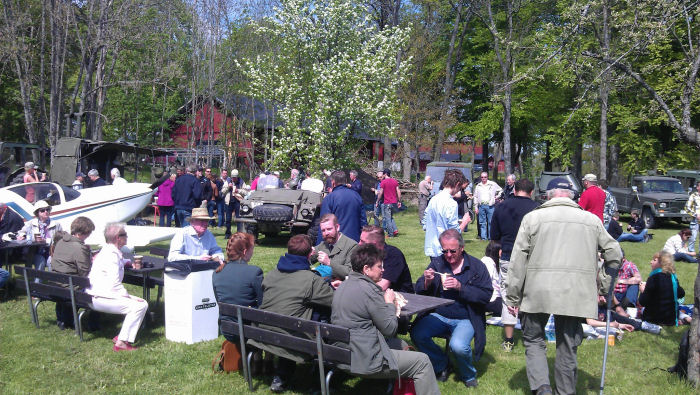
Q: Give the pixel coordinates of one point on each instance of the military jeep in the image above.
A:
(269, 211)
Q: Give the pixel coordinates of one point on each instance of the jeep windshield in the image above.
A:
(672, 186)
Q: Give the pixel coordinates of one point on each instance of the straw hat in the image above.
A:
(200, 213)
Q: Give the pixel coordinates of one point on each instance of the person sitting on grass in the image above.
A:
(636, 228)
(661, 291)
(108, 292)
(490, 260)
(677, 246)
(614, 228)
(627, 285)
(620, 319)
(369, 312)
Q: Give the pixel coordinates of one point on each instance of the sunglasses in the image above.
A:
(445, 251)
(44, 210)
(123, 234)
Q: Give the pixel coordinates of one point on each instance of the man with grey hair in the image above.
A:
(108, 292)
(355, 184)
(554, 270)
(117, 177)
(95, 180)
(509, 189)
(463, 278)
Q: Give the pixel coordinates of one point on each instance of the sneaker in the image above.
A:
(471, 383)
(507, 346)
(442, 376)
(651, 328)
(277, 385)
(544, 389)
(646, 239)
(396, 233)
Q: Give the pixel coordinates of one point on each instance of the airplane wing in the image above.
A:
(139, 236)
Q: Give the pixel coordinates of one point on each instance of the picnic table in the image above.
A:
(417, 304)
(154, 264)
(8, 246)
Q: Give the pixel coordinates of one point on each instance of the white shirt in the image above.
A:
(440, 215)
(495, 277)
(486, 193)
(119, 181)
(675, 244)
(107, 273)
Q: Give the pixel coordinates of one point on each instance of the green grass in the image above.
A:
(47, 360)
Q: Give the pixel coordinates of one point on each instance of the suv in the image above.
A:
(655, 197)
(547, 176)
(272, 210)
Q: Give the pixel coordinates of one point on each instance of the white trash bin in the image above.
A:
(191, 311)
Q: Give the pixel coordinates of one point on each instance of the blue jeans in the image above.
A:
(377, 213)
(389, 223)
(211, 205)
(233, 211)
(637, 237)
(485, 214)
(681, 256)
(631, 293)
(181, 215)
(4, 276)
(166, 215)
(221, 212)
(460, 333)
(693, 235)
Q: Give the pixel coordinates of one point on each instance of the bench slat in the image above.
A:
(331, 353)
(162, 252)
(328, 331)
(82, 282)
(53, 292)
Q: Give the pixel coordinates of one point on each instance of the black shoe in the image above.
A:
(442, 376)
(61, 325)
(471, 383)
(544, 389)
(277, 385)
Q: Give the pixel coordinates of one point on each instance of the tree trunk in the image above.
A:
(603, 93)
(694, 344)
(507, 154)
(614, 175)
(406, 161)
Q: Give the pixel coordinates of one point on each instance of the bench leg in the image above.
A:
(79, 324)
(36, 313)
(329, 375)
(159, 295)
(321, 368)
(249, 376)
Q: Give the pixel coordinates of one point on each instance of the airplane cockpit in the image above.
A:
(52, 193)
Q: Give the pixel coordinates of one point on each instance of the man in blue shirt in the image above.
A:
(186, 194)
(347, 206)
(355, 184)
(195, 241)
(441, 213)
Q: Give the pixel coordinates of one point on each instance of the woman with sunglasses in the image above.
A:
(108, 292)
(41, 230)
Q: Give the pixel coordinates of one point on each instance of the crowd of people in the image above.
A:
(532, 268)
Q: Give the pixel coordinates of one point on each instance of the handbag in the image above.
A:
(228, 359)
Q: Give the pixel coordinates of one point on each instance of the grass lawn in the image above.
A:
(47, 360)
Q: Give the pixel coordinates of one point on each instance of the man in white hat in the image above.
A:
(195, 241)
(40, 230)
(30, 173)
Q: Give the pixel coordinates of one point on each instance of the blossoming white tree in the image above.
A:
(331, 73)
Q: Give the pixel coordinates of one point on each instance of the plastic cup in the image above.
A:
(632, 311)
(137, 263)
(444, 277)
(37, 237)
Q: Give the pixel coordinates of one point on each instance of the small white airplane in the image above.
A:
(101, 204)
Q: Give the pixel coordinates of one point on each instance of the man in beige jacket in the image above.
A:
(553, 270)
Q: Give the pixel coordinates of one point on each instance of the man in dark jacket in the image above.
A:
(187, 194)
(458, 276)
(504, 228)
(347, 206)
(614, 228)
(9, 220)
(95, 179)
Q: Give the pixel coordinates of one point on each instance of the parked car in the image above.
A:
(13, 156)
(436, 171)
(656, 197)
(547, 176)
(272, 210)
(688, 178)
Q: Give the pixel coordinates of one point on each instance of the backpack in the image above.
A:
(228, 359)
(681, 366)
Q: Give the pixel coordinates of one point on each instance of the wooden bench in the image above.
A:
(56, 287)
(314, 338)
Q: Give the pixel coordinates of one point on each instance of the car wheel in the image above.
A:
(273, 213)
(252, 229)
(648, 218)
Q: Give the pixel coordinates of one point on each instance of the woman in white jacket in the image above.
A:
(40, 229)
(108, 293)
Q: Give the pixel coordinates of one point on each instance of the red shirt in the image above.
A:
(389, 186)
(593, 200)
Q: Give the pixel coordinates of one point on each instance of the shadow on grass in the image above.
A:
(585, 382)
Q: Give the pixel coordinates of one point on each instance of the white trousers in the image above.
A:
(134, 308)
